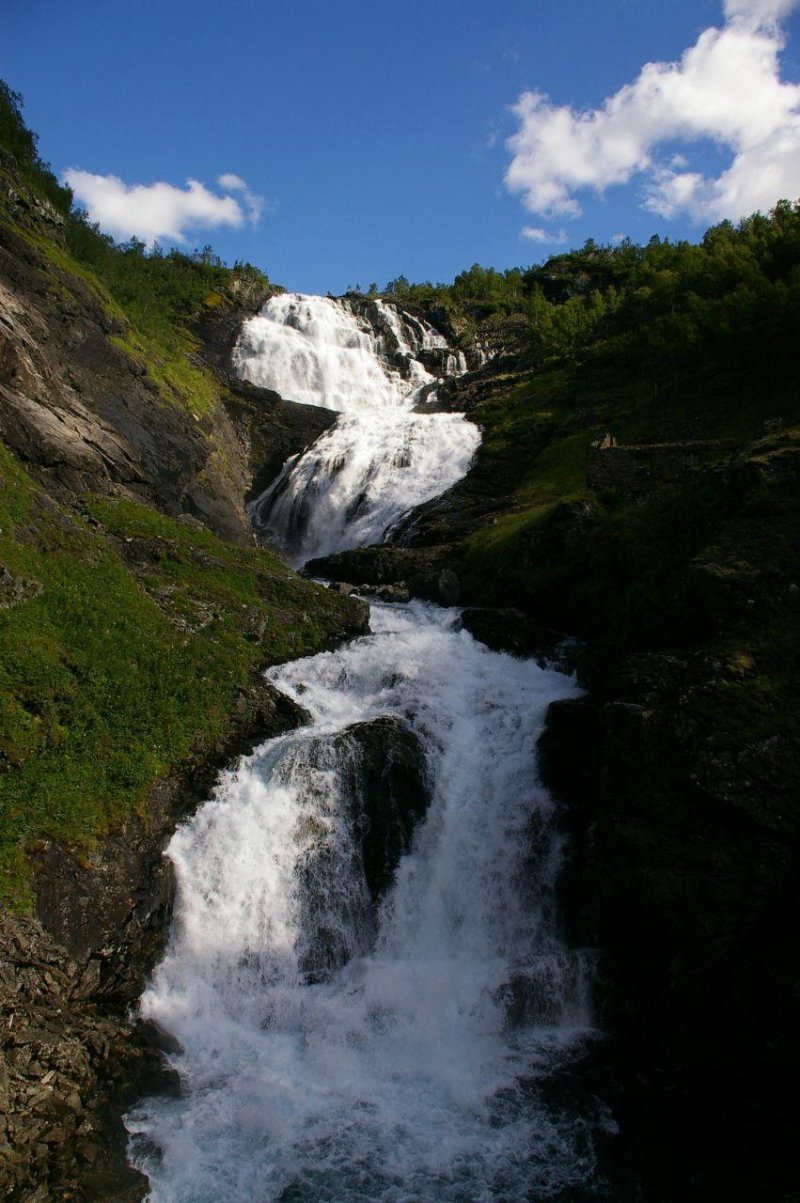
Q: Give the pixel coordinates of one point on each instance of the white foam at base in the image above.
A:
(411, 1074)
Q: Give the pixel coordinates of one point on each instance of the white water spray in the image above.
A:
(411, 1074)
(381, 458)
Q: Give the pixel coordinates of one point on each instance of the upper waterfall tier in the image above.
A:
(371, 363)
(340, 354)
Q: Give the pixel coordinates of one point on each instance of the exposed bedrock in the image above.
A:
(683, 867)
(425, 573)
(389, 792)
(70, 1059)
(384, 793)
(84, 415)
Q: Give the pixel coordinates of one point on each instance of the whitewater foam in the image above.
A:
(381, 458)
(412, 1073)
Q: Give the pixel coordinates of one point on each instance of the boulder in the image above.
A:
(389, 793)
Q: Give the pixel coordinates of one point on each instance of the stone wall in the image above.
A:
(638, 469)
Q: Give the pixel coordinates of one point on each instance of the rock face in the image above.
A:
(84, 416)
(270, 429)
(424, 573)
(60, 1064)
(684, 815)
(389, 791)
(640, 470)
(383, 794)
(71, 1059)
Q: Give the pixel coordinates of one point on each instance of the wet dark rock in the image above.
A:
(388, 786)
(383, 794)
(385, 593)
(442, 586)
(274, 428)
(683, 816)
(510, 630)
(381, 565)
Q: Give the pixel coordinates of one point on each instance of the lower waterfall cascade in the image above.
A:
(336, 1046)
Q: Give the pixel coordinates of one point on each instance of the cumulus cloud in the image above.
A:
(758, 12)
(544, 237)
(163, 211)
(254, 205)
(727, 87)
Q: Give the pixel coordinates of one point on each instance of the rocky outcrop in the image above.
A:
(639, 470)
(425, 573)
(62, 1066)
(73, 1057)
(507, 629)
(683, 807)
(385, 767)
(382, 793)
(83, 414)
(269, 428)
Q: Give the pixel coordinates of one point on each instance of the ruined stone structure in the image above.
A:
(639, 468)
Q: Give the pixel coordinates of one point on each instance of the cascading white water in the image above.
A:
(381, 458)
(334, 1050)
(412, 1071)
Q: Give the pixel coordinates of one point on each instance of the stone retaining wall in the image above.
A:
(638, 469)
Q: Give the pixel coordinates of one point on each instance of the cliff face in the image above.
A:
(136, 614)
(85, 416)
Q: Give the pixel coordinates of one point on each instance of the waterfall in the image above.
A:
(410, 1072)
(369, 990)
(381, 458)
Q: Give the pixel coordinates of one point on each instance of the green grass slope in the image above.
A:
(125, 635)
(123, 638)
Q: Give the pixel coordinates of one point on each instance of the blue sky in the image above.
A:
(357, 141)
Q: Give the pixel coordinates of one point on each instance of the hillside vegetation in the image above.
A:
(666, 343)
(126, 634)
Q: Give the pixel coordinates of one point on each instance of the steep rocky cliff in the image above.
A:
(136, 613)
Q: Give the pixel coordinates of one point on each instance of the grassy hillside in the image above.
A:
(665, 343)
(151, 296)
(123, 638)
(125, 635)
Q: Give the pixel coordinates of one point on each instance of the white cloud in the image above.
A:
(235, 183)
(727, 87)
(758, 12)
(162, 211)
(544, 237)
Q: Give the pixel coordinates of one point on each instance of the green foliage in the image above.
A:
(113, 666)
(154, 295)
(160, 294)
(660, 311)
(22, 144)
